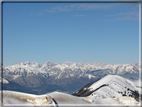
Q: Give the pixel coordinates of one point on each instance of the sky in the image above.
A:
(74, 32)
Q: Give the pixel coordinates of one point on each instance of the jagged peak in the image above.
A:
(49, 63)
(83, 67)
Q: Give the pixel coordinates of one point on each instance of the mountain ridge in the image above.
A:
(33, 74)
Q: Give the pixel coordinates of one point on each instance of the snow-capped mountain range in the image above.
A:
(31, 74)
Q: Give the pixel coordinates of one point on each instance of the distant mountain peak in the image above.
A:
(48, 64)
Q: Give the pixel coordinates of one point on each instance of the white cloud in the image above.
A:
(94, 6)
(125, 16)
(86, 6)
(61, 8)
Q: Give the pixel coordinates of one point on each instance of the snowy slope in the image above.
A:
(4, 81)
(57, 99)
(110, 90)
(112, 87)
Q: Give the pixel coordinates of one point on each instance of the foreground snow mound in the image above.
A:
(12, 98)
(57, 99)
(127, 101)
(121, 101)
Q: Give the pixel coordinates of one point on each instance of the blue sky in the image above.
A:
(74, 32)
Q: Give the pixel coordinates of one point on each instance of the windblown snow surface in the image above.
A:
(111, 90)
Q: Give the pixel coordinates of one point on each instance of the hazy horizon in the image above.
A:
(72, 62)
